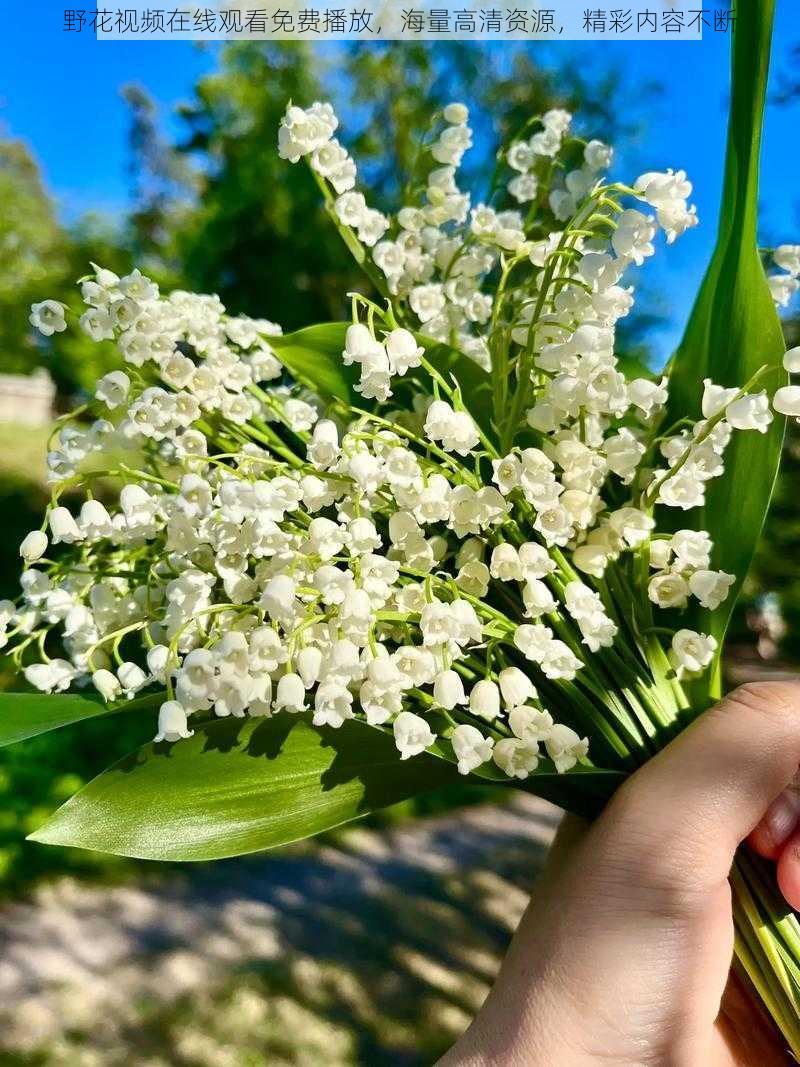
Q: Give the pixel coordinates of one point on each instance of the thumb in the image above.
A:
(708, 789)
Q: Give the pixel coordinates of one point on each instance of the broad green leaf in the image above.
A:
(239, 786)
(733, 331)
(314, 357)
(24, 715)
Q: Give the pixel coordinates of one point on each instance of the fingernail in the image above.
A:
(781, 817)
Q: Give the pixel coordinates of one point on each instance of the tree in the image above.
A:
(250, 226)
(33, 254)
(40, 259)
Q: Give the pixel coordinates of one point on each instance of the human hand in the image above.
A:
(624, 952)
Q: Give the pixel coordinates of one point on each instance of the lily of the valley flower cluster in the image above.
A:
(436, 255)
(464, 582)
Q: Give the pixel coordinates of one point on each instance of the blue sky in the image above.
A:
(60, 93)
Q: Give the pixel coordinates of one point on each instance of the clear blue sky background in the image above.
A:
(60, 93)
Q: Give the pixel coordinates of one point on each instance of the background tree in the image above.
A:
(241, 222)
(33, 253)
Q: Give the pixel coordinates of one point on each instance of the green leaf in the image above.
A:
(243, 785)
(239, 786)
(24, 715)
(314, 357)
(733, 331)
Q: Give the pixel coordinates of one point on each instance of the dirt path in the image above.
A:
(374, 950)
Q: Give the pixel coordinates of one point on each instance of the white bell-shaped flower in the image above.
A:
(106, 684)
(63, 527)
(448, 690)
(308, 662)
(516, 687)
(291, 694)
(172, 724)
(484, 699)
(471, 748)
(33, 546)
(412, 734)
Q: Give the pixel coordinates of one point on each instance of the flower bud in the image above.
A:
(660, 552)
(456, 114)
(470, 551)
(106, 684)
(33, 546)
(132, 678)
(157, 659)
(516, 687)
(324, 445)
(308, 662)
(787, 400)
(484, 700)
(448, 690)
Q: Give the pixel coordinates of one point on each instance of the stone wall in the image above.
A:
(27, 399)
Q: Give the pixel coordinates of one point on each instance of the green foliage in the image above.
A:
(40, 259)
(253, 229)
(24, 715)
(733, 333)
(38, 775)
(240, 786)
(33, 254)
(314, 357)
(776, 567)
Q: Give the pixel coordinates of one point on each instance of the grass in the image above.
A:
(23, 450)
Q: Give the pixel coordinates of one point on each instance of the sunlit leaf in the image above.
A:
(24, 715)
(314, 357)
(239, 786)
(733, 331)
(243, 785)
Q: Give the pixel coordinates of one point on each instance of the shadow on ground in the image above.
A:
(375, 950)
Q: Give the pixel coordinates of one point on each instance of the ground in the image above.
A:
(376, 949)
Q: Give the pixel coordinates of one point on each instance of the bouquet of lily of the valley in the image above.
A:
(452, 536)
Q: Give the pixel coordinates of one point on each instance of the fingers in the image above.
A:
(778, 823)
(708, 790)
(788, 871)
